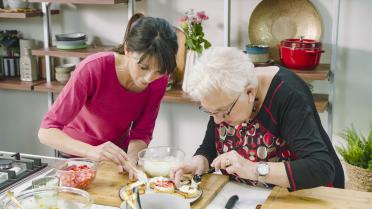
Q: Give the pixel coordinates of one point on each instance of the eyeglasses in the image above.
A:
(225, 113)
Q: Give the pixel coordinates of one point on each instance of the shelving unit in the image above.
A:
(176, 95)
(24, 15)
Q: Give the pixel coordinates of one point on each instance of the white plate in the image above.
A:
(161, 201)
(150, 191)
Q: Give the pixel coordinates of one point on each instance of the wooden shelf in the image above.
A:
(17, 84)
(84, 1)
(82, 53)
(23, 15)
(176, 95)
(54, 86)
(319, 73)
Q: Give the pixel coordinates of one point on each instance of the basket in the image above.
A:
(357, 178)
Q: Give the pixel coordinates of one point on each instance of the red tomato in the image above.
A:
(79, 177)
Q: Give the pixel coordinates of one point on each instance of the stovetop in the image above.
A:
(15, 168)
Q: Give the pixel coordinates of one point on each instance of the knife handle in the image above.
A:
(231, 202)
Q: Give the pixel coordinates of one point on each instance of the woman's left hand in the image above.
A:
(232, 162)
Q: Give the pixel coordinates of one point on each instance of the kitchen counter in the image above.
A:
(249, 196)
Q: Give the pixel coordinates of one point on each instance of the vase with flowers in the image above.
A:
(191, 24)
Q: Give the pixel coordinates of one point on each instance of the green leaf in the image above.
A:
(358, 150)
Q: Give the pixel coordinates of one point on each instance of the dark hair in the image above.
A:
(154, 37)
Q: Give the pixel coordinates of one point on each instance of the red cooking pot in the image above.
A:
(300, 54)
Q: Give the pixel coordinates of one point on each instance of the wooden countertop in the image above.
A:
(318, 198)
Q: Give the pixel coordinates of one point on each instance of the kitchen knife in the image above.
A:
(231, 202)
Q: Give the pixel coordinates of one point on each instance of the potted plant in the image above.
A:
(9, 43)
(357, 156)
(191, 24)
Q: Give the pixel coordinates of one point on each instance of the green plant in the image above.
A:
(9, 40)
(358, 151)
(191, 24)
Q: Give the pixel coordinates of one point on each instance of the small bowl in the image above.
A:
(77, 173)
(71, 36)
(257, 49)
(52, 197)
(157, 161)
(63, 77)
(65, 68)
(160, 201)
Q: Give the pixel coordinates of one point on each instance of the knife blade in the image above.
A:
(231, 202)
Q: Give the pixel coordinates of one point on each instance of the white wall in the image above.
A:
(179, 124)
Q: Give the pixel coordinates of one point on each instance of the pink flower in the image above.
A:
(196, 20)
(202, 16)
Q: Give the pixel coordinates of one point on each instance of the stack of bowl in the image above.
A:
(257, 53)
(71, 41)
(63, 72)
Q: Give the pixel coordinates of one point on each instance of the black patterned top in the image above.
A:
(286, 129)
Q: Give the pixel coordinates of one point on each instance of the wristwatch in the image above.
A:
(262, 170)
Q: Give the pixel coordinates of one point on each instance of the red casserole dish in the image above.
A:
(300, 54)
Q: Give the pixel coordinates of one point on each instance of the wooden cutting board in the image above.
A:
(319, 198)
(105, 188)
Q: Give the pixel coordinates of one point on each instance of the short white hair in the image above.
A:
(221, 68)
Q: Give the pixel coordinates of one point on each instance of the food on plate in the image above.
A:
(132, 184)
(162, 184)
(188, 191)
(78, 176)
(186, 180)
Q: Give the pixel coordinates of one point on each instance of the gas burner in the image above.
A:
(5, 164)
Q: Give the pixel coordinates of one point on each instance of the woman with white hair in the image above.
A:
(264, 127)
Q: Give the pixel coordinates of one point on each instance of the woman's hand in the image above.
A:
(232, 162)
(197, 165)
(127, 168)
(108, 151)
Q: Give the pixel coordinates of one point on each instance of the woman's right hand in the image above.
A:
(196, 166)
(108, 151)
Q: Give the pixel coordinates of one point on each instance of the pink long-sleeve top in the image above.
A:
(94, 108)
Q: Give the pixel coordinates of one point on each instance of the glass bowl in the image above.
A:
(157, 161)
(52, 197)
(77, 173)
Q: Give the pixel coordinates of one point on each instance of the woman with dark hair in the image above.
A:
(107, 110)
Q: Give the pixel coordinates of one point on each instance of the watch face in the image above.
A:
(263, 169)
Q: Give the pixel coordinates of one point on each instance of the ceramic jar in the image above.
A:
(63, 72)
